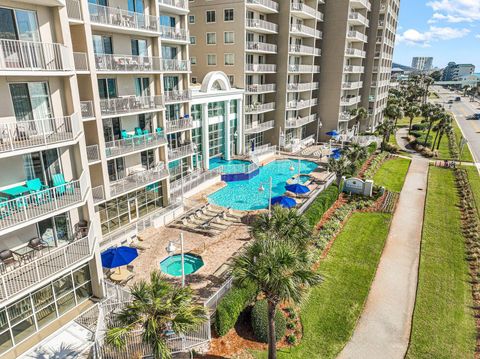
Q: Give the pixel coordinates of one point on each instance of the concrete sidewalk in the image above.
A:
(383, 330)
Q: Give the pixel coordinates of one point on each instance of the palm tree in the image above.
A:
(442, 127)
(431, 115)
(411, 112)
(283, 224)
(279, 270)
(386, 128)
(157, 307)
(394, 112)
(427, 81)
(356, 153)
(340, 167)
(359, 114)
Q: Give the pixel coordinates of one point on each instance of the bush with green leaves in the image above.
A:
(372, 147)
(230, 307)
(321, 204)
(260, 322)
(419, 126)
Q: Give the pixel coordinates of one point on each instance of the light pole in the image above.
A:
(262, 189)
(171, 248)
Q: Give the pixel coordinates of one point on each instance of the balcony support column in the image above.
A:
(240, 127)
(205, 137)
(226, 140)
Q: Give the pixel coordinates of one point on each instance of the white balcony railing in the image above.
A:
(302, 86)
(265, 3)
(179, 4)
(105, 15)
(74, 10)
(356, 35)
(259, 108)
(365, 3)
(300, 104)
(93, 153)
(262, 25)
(352, 85)
(178, 96)
(80, 60)
(345, 116)
(87, 109)
(304, 68)
(135, 143)
(178, 125)
(18, 55)
(348, 101)
(259, 88)
(353, 69)
(260, 68)
(302, 49)
(356, 16)
(300, 121)
(297, 6)
(137, 179)
(125, 105)
(173, 33)
(127, 63)
(173, 65)
(179, 152)
(258, 127)
(355, 52)
(47, 265)
(98, 194)
(31, 206)
(28, 134)
(301, 29)
(261, 46)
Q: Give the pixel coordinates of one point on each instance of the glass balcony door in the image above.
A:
(31, 101)
(132, 209)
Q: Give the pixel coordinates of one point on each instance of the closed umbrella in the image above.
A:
(284, 201)
(297, 188)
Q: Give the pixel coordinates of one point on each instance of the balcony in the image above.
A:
(179, 152)
(354, 85)
(263, 68)
(359, 4)
(93, 153)
(127, 63)
(344, 116)
(48, 202)
(263, 47)
(86, 108)
(299, 87)
(28, 58)
(80, 61)
(263, 6)
(131, 105)
(252, 128)
(23, 135)
(300, 121)
(258, 88)
(301, 104)
(177, 96)
(349, 101)
(74, 11)
(351, 52)
(305, 50)
(305, 31)
(356, 18)
(137, 178)
(349, 69)
(173, 34)
(299, 9)
(304, 68)
(182, 124)
(261, 26)
(174, 65)
(46, 265)
(356, 36)
(123, 21)
(174, 6)
(259, 108)
(134, 144)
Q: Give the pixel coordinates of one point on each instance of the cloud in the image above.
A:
(455, 11)
(477, 36)
(424, 39)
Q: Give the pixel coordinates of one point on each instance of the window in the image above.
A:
(136, 6)
(211, 59)
(229, 59)
(102, 45)
(31, 100)
(228, 37)
(211, 38)
(19, 24)
(193, 60)
(191, 19)
(193, 40)
(228, 15)
(211, 16)
(139, 47)
(107, 88)
(231, 78)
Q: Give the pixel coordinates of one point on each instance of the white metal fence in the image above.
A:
(128, 104)
(74, 10)
(87, 109)
(192, 181)
(178, 125)
(173, 33)
(98, 194)
(135, 143)
(182, 4)
(125, 63)
(138, 179)
(173, 96)
(93, 153)
(182, 151)
(80, 61)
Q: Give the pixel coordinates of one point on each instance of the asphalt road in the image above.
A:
(462, 110)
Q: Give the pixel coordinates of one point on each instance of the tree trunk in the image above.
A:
(435, 140)
(410, 125)
(428, 134)
(439, 140)
(272, 341)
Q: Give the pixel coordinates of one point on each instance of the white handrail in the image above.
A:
(128, 182)
(182, 151)
(130, 104)
(135, 143)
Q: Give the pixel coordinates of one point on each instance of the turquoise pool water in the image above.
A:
(231, 166)
(173, 265)
(244, 195)
(302, 179)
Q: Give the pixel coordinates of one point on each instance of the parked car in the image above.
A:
(450, 101)
(458, 98)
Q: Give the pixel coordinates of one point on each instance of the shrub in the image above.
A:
(372, 148)
(416, 134)
(419, 126)
(291, 339)
(291, 325)
(230, 307)
(321, 204)
(390, 147)
(260, 322)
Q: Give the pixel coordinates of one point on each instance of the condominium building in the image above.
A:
(422, 64)
(97, 127)
(455, 71)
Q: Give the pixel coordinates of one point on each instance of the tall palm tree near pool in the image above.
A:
(157, 308)
(411, 112)
(360, 115)
(278, 270)
(431, 114)
(340, 167)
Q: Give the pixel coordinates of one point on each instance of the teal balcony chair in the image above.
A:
(124, 135)
(35, 185)
(61, 186)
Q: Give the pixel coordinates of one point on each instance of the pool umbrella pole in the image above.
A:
(171, 249)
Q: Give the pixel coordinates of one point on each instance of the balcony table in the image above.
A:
(24, 254)
(16, 191)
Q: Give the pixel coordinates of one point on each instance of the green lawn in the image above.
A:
(331, 313)
(405, 121)
(442, 323)
(474, 179)
(466, 155)
(391, 174)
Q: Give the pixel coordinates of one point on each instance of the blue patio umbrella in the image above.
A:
(284, 201)
(332, 133)
(117, 257)
(297, 188)
(336, 155)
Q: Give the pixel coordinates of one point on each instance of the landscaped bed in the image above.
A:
(443, 326)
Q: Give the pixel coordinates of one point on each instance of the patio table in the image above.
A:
(24, 253)
(16, 191)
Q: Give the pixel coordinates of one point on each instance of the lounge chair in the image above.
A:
(159, 131)
(138, 132)
(37, 244)
(6, 258)
(124, 135)
(61, 185)
(81, 229)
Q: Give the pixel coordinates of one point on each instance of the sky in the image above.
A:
(447, 30)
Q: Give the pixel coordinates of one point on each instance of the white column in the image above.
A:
(227, 131)
(205, 137)
(240, 127)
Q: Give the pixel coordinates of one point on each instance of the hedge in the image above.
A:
(260, 322)
(321, 204)
(372, 148)
(230, 307)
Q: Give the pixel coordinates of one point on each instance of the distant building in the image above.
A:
(423, 64)
(455, 71)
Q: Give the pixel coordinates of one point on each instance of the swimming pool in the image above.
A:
(231, 166)
(173, 265)
(245, 196)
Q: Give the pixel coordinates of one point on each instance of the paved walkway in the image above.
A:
(383, 330)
